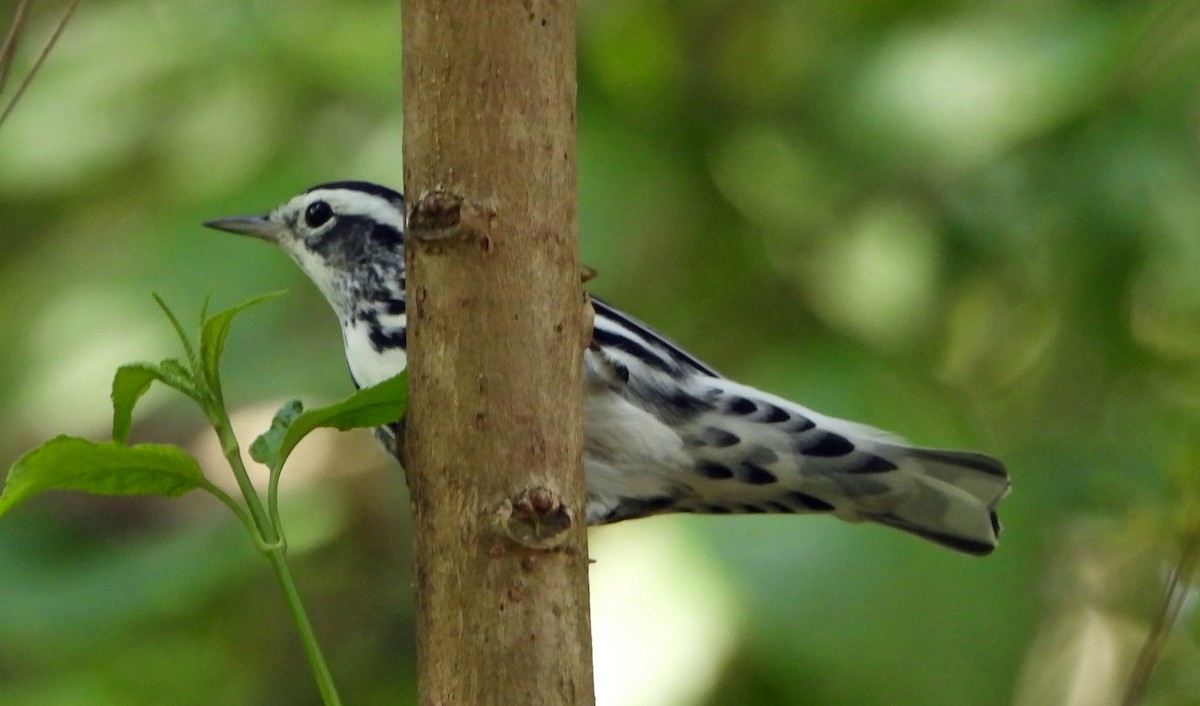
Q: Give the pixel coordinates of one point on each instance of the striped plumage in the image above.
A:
(663, 431)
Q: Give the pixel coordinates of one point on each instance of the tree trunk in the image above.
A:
(497, 325)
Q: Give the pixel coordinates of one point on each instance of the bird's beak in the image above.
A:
(253, 226)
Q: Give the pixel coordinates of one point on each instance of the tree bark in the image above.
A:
(497, 325)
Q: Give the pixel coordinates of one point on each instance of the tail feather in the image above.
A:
(720, 447)
(951, 500)
(757, 452)
(980, 475)
(957, 542)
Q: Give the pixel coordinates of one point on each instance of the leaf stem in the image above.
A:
(325, 684)
(267, 531)
(238, 510)
(268, 534)
(273, 494)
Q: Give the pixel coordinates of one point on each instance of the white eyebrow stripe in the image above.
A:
(349, 202)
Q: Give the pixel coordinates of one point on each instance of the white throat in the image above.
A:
(367, 365)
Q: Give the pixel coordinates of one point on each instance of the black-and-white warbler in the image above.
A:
(664, 432)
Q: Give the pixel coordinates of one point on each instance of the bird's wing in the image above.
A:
(618, 330)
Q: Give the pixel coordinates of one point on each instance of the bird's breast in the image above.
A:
(374, 354)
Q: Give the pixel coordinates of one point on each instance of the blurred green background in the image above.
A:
(971, 223)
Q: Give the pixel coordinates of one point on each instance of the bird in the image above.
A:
(663, 431)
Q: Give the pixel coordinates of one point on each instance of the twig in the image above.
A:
(1173, 597)
(37, 64)
(1175, 590)
(9, 49)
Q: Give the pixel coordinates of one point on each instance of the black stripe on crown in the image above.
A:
(364, 186)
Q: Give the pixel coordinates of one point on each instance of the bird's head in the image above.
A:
(347, 236)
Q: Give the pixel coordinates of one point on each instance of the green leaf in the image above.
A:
(265, 448)
(369, 407)
(177, 375)
(183, 337)
(131, 382)
(204, 308)
(212, 339)
(71, 463)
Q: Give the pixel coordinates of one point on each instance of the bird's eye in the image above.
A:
(317, 214)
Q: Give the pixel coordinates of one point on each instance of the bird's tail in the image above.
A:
(756, 452)
(742, 450)
(948, 497)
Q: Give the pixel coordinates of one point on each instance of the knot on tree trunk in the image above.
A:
(440, 218)
(535, 518)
